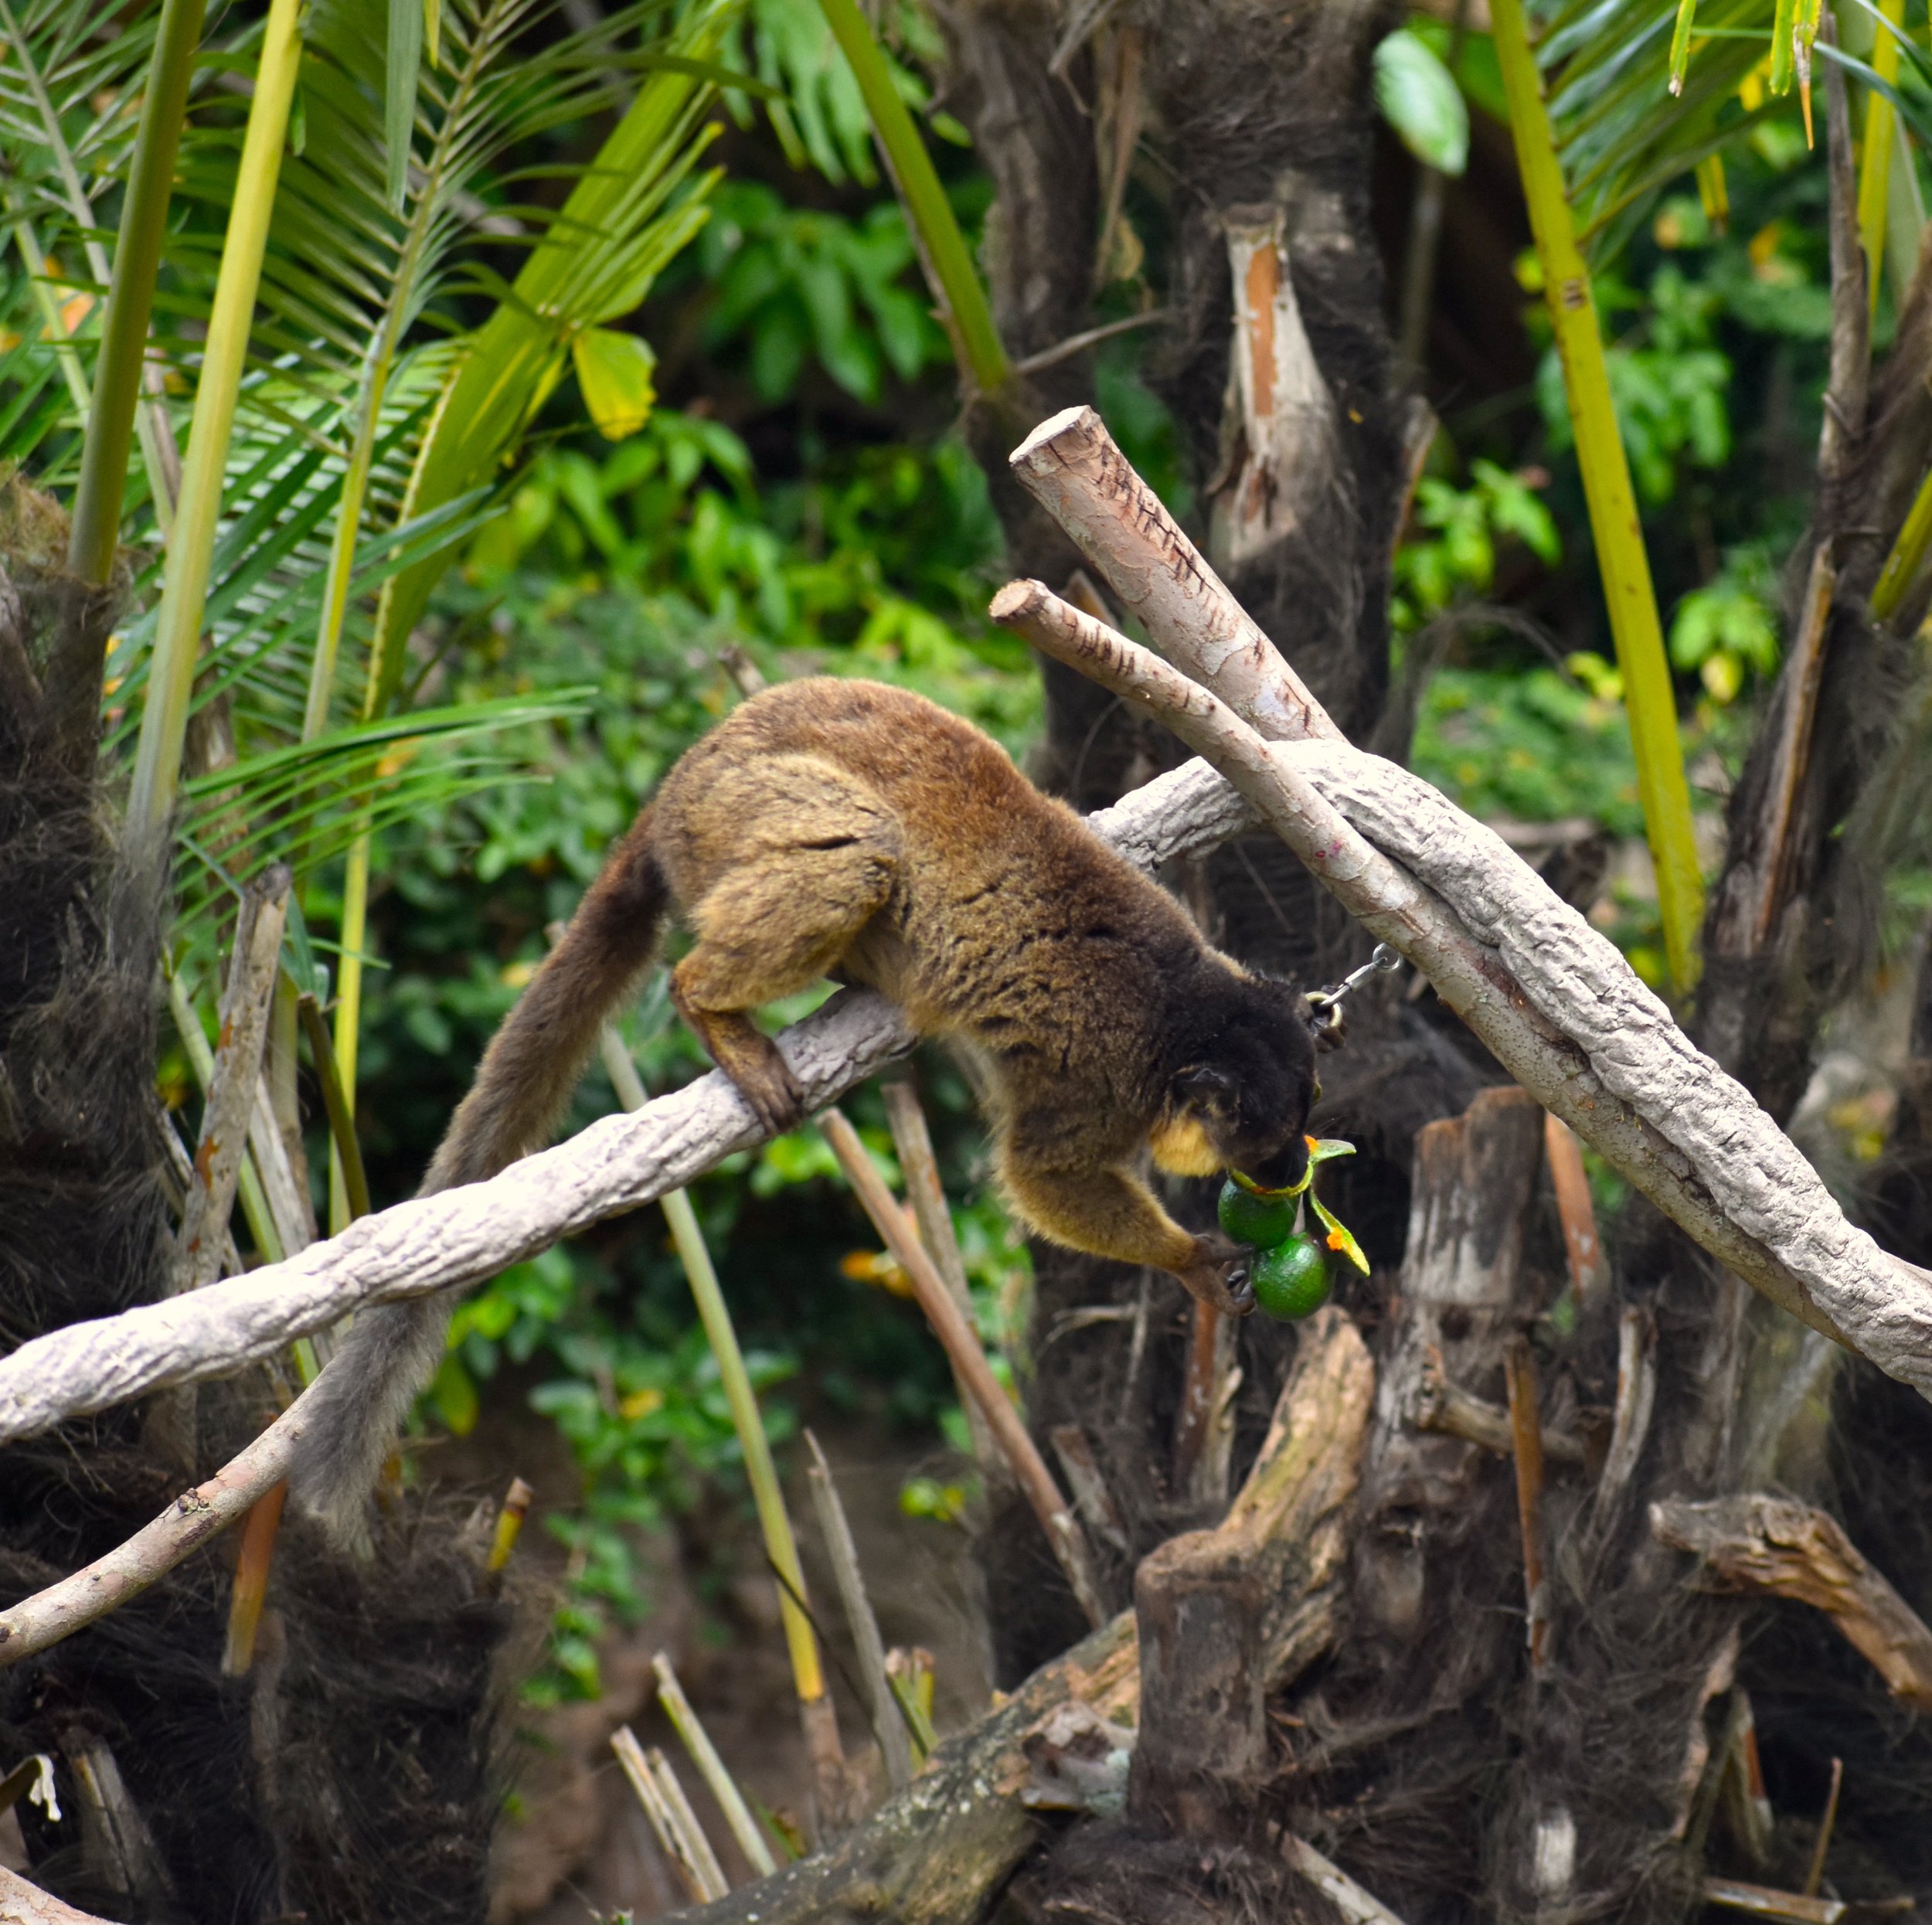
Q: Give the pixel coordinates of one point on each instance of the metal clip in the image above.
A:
(1324, 1006)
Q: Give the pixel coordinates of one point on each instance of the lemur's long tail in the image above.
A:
(526, 1077)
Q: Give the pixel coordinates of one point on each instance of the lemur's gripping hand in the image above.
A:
(1219, 1274)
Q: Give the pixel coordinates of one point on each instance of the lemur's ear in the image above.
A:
(1203, 1083)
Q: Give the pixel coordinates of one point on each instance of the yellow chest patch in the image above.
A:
(1180, 1148)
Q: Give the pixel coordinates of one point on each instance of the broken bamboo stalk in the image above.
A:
(962, 1346)
(704, 1754)
(703, 1882)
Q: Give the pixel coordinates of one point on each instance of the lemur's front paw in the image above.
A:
(1220, 1274)
(772, 1094)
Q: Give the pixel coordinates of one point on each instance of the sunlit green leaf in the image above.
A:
(614, 372)
(1419, 98)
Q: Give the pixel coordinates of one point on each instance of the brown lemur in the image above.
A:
(845, 828)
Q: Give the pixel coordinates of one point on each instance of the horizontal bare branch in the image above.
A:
(460, 1236)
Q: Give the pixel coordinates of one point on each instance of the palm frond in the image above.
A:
(1622, 134)
(318, 796)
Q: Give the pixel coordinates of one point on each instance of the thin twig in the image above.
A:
(912, 1141)
(1630, 1428)
(1816, 1876)
(341, 1123)
(1092, 1499)
(961, 1344)
(1526, 1430)
(1358, 1906)
(1088, 337)
(704, 1754)
(836, 1532)
(1763, 1901)
(1797, 714)
(1203, 1426)
(187, 1524)
(909, 1670)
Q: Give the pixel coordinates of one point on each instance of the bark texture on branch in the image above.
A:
(24, 1904)
(1772, 1547)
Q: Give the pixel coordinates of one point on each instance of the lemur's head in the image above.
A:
(1240, 1098)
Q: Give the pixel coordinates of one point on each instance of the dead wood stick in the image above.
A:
(913, 1142)
(1092, 1499)
(1758, 887)
(231, 1092)
(24, 1904)
(1763, 1901)
(1553, 1000)
(1448, 1409)
(1583, 1244)
(463, 1236)
(1814, 1876)
(187, 1524)
(962, 1346)
(1527, 1438)
(1198, 1383)
(1630, 1427)
(1770, 1547)
(1358, 1906)
(850, 1577)
(1071, 465)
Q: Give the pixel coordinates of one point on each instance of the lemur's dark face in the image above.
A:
(1243, 1104)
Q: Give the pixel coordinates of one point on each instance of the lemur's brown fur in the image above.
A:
(834, 828)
